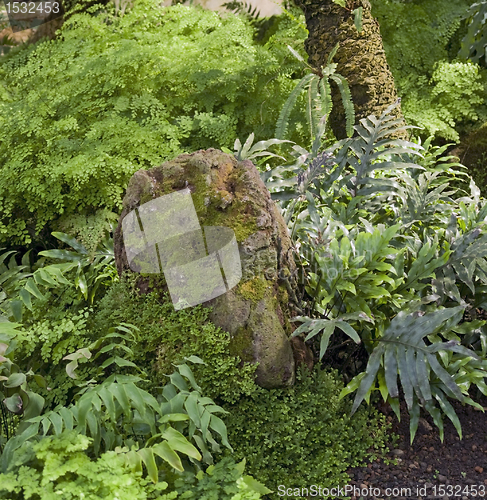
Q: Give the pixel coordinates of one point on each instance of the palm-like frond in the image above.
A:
(402, 351)
(283, 120)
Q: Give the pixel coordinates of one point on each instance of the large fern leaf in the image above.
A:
(283, 120)
(347, 102)
(402, 351)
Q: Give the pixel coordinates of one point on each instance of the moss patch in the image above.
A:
(215, 205)
(241, 345)
(253, 289)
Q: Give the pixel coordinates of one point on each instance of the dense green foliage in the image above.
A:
(392, 256)
(304, 433)
(110, 393)
(59, 465)
(166, 336)
(115, 94)
(422, 40)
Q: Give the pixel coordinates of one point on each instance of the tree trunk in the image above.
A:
(360, 58)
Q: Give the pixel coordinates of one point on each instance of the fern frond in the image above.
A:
(242, 7)
(311, 107)
(325, 97)
(401, 350)
(347, 102)
(332, 53)
(283, 120)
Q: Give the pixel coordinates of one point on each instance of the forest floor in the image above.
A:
(429, 469)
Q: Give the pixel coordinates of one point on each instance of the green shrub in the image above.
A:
(166, 336)
(303, 435)
(114, 94)
(421, 40)
(59, 467)
(450, 101)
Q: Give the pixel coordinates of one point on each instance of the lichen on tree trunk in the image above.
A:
(360, 58)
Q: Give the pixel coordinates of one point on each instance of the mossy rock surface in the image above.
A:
(229, 193)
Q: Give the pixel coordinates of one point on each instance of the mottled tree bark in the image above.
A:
(360, 59)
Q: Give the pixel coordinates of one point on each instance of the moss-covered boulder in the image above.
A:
(226, 192)
(472, 152)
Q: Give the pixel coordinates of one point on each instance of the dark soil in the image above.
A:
(454, 469)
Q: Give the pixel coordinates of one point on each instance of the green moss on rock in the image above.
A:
(241, 345)
(229, 193)
(253, 289)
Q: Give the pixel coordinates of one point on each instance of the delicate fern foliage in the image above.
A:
(318, 99)
(474, 44)
(118, 415)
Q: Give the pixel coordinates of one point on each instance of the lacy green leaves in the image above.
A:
(118, 415)
(441, 94)
(138, 90)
